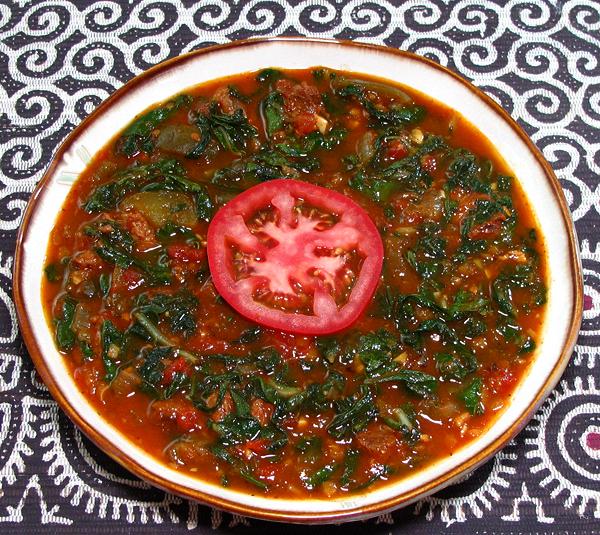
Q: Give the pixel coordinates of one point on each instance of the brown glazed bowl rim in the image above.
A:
(341, 514)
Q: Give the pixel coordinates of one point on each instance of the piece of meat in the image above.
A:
(87, 259)
(179, 411)
(379, 441)
(302, 104)
(489, 229)
(139, 228)
(228, 103)
(262, 411)
(226, 407)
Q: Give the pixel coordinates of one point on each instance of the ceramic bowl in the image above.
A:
(564, 307)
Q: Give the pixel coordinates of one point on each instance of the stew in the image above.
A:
(297, 283)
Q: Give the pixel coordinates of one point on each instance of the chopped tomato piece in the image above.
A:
(189, 419)
(429, 163)
(87, 259)
(396, 150)
(489, 229)
(181, 412)
(304, 123)
(139, 227)
(268, 470)
(186, 253)
(127, 278)
(226, 407)
(259, 445)
(294, 256)
(500, 380)
(302, 102)
(179, 365)
(262, 410)
(380, 441)
(293, 346)
(228, 104)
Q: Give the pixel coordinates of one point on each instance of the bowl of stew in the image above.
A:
(300, 280)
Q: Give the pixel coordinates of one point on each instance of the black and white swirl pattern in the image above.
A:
(540, 59)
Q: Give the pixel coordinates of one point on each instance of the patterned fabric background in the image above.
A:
(539, 58)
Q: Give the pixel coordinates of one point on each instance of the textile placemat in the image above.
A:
(539, 59)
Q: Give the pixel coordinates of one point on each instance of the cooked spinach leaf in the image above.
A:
(350, 466)
(353, 414)
(420, 383)
(52, 272)
(456, 366)
(272, 111)
(466, 302)
(65, 335)
(523, 276)
(316, 479)
(164, 172)
(471, 396)
(112, 345)
(395, 115)
(177, 309)
(137, 137)
(230, 131)
(404, 419)
(376, 351)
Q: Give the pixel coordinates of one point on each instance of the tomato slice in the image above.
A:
(295, 257)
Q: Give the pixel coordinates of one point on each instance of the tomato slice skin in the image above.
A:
(353, 229)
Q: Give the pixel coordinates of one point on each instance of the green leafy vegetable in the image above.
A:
(65, 336)
(407, 174)
(268, 76)
(456, 366)
(221, 452)
(112, 344)
(353, 414)
(380, 472)
(272, 109)
(137, 137)
(311, 448)
(166, 173)
(419, 383)
(319, 477)
(313, 141)
(350, 466)
(252, 334)
(105, 283)
(522, 276)
(116, 246)
(376, 351)
(52, 273)
(266, 164)
(329, 347)
(151, 372)
(147, 329)
(405, 420)
(235, 429)
(471, 396)
(204, 205)
(394, 116)
(86, 350)
(231, 131)
(170, 230)
(466, 302)
(178, 310)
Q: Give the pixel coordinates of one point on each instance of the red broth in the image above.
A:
(428, 365)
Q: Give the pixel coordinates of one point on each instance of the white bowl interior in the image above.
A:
(296, 55)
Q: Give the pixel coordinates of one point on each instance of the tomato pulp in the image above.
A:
(294, 256)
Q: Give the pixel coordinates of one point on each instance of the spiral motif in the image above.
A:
(539, 59)
(565, 448)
